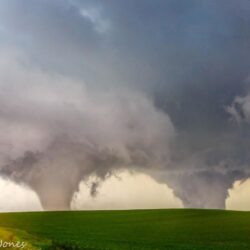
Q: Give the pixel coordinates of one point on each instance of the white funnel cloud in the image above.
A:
(55, 133)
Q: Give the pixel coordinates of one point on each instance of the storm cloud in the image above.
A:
(92, 87)
(54, 133)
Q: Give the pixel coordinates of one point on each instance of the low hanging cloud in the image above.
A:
(126, 190)
(54, 133)
(240, 109)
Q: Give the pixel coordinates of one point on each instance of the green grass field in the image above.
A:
(181, 229)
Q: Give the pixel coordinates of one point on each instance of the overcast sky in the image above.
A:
(91, 88)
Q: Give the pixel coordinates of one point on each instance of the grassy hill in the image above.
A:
(182, 229)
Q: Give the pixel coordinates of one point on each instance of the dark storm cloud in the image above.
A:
(191, 57)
